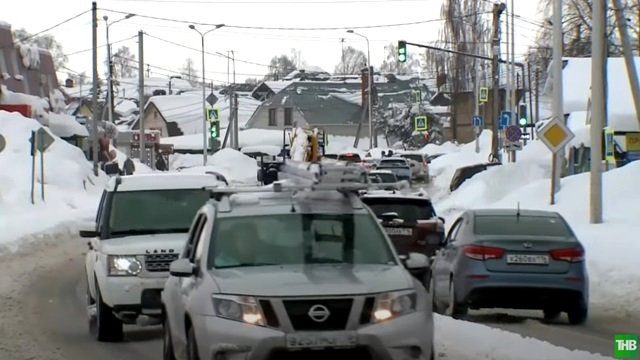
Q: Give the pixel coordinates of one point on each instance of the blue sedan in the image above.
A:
(511, 259)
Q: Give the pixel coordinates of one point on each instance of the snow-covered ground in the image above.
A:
(612, 247)
(71, 189)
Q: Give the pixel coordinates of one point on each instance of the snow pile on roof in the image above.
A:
(66, 126)
(128, 87)
(30, 56)
(232, 164)
(299, 145)
(38, 105)
(576, 90)
(67, 173)
(277, 86)
(186, 110)
(125, 107)
(614, 274)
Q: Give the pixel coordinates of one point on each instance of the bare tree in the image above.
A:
(79, 78)
(252, 81)
(280, 66)
(352, 62)
(296, 58)
(124, 63)
(45, 41)
(392, 65)
(189, 72)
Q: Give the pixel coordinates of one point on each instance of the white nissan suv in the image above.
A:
(140, 228)
(283, 273)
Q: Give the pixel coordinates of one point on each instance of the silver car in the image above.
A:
(418, 164)
(288, 275)
(511, 259)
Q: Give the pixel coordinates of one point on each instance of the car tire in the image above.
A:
(167, 344)
(578, 315)
(192, 345)
(551, 314)
(108, 328)
(455, 310)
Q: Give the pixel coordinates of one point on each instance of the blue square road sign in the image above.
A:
(477, 121)
(505, 119)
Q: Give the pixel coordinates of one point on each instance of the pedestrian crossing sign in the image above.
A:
(213, 114)
(483, 94)
(420, 123)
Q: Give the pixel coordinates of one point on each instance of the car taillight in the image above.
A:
(478, 252)
(571, 255)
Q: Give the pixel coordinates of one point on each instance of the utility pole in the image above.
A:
(632, 73)
(536, 77)
(507, 99)
(514, 82)
(530, 100)
(228, 68)
(476, 94)
(143, 134)
(148, 70)
(94, 102)
(498, 9)
(558, 100)
(344, 66)
(236, 128)
(598, 113)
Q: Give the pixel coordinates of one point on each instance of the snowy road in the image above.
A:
(45, 306)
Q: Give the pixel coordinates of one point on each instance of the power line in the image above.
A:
(269, 2)
(295, 29)
(206, 72)
(101, 46)
(48, 29)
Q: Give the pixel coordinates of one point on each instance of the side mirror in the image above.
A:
(416, 261)
(88, 233)
(182, 268)
(441, 219)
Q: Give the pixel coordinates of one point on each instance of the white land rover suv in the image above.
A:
(294, 275)
(141, 226)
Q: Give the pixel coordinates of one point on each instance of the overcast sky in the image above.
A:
(318, 47)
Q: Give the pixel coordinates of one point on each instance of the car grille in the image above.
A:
(298, 312)
(159, 262)
(359, 353)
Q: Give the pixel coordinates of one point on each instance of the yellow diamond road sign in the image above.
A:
(556, 135)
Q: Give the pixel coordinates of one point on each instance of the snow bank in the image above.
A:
(234, 165)
(71, 189)
(38, 105)
(66, 126)
(461, 340)
(612, 247)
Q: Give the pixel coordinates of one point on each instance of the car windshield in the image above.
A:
(414, 157)
(521, 226)
(385, 177)
(393, 162)
(296, 238)
(408, 209)
(155, 211)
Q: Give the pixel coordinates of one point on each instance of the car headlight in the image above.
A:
(238, 308)
(393, 304)
(123, 265)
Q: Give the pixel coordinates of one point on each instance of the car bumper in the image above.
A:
(133, 295)
(399, 339)
(522, 291)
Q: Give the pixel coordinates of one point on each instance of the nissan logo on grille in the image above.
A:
(319, 313)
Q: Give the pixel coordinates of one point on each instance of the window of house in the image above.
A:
(288, 117)
(273, 121)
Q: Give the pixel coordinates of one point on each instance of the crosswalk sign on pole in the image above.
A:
(609, 145)
(420, 123)
(483, 94)
(417, 96)
(213, 114)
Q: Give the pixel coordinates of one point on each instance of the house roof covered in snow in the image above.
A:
(128, 87)
(576, 91)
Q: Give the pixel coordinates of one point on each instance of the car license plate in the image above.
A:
(329, 339)
(528, 259)
(399, 231)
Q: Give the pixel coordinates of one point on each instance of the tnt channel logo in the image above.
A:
(626, 346)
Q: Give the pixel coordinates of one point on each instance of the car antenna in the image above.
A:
(518, 209)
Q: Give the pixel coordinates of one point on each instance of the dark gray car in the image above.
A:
(511, 259)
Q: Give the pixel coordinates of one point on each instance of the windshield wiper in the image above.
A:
(246, 265)
(150, 231)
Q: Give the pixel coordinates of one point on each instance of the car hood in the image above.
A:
(145, 244)
(310, 280)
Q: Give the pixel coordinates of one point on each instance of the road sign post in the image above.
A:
(555, 135)
(40, 141)
(477, 129)
(420, 123)
(213, 117)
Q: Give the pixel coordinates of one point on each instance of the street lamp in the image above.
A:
(369, 86)
(110, 65)
(204, 94)
(171, 78)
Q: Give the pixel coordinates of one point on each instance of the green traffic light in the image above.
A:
(402, 57)
(523, 122)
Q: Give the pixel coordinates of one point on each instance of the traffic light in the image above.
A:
(402, 51)
(522, 116)
(214, 131)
